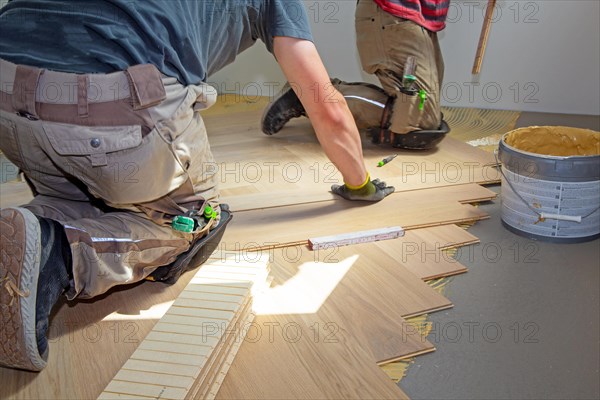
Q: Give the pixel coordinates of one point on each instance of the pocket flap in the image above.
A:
(85, 140)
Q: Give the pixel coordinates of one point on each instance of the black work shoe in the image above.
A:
(285, 106)
(421, 139)
(33, 274)
(196, 255)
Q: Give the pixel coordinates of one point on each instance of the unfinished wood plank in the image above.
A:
(423, 259)
(320, 192)
(177, 338)
(227, 142)
(343, 272)
(218, 381)
(419, 250)
(191, 342)
(113, 396)
(206, 295)
(451, 161)
(374, 289)
(271, 227)
(233, 333)
(214, 289)
(207, 387)
(248, 174)
(143, 389)
(196, 350)
(165, 369)
(355, 283)
(213, 305)
(201, 313)
(445, 236)
(163, 353)
(242, 195)
(153, 378)
(107, 330)
(304, 368)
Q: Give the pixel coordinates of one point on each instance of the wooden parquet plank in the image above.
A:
(419, 250)
(358, 323)
(205, 348)
(257, 171)
(288, 225)
(293, 363)
(292, 169)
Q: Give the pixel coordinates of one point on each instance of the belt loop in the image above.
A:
(83, 82)
(146, 86)
(25, 88)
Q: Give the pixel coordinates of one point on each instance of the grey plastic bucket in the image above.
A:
(551, 198)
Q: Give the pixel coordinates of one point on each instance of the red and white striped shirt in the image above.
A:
(430, 14)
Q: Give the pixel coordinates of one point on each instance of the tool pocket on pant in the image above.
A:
(406, 116)
(186, 135)
(116, 163)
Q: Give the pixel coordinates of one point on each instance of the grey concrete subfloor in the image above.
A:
(525, 322)
(526, 317)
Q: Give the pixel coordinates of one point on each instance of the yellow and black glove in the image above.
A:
(374, 190)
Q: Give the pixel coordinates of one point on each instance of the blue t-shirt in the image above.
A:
(187, 39)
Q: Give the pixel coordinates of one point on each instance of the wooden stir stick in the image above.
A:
(485, 31)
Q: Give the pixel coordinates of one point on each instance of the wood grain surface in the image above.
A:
(289, 225)
(283, 184)
(196, 335)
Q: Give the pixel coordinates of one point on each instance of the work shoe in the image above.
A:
(285, 106)
(34, 255)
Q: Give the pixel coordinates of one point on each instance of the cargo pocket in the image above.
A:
(116, 164)
(8, 143)
(369, 44)
(406, 115)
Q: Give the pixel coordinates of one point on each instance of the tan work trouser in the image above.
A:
(113, 158)
(384, 42)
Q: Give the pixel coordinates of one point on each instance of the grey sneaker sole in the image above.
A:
(20, 251)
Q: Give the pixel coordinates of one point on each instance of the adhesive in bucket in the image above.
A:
(551, 197)
(555, 141)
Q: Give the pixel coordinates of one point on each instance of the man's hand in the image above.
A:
(374, 190)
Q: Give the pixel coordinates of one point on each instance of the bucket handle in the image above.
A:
(541, 216)
(561, 217)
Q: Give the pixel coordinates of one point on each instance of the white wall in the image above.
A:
(541, 55)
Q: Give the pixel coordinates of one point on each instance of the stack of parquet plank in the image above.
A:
(185, 354)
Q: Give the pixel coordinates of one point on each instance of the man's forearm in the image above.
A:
(325, 106)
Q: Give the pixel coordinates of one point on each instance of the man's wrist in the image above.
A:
(352, 187)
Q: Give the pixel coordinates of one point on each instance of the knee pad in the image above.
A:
(196, 255)
(421, 139)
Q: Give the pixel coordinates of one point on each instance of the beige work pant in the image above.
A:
(384, 42)
(113, 158)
